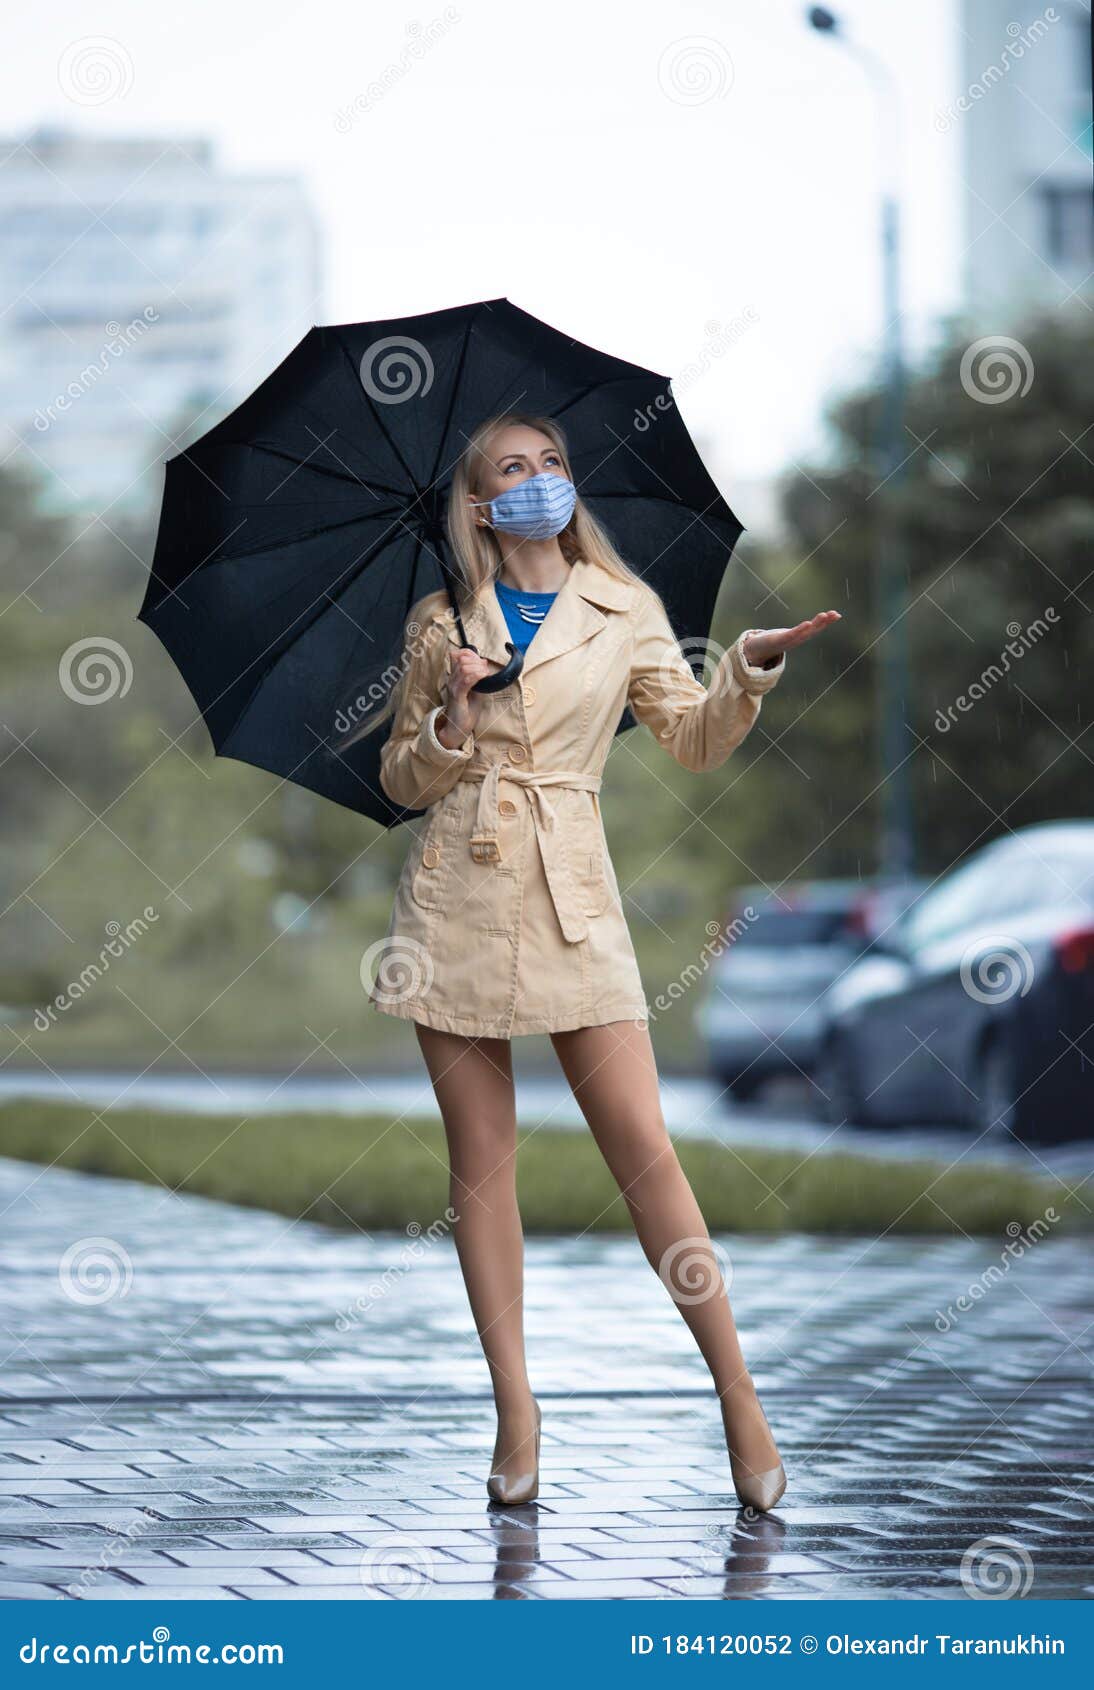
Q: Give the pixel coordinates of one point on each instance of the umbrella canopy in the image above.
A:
(295, 536)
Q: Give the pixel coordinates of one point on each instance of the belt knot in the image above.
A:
(486, 846)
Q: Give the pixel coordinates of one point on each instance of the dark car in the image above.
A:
(762, 1015)
(977, 1008)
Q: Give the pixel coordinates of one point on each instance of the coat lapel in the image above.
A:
(484, 625)
(570, 621)
(574, 617)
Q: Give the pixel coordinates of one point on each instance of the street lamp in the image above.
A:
(894, 674)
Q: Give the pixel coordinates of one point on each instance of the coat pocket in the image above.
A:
(430, 873)
(592, 874)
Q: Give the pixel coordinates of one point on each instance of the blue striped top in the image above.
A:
(523, 612)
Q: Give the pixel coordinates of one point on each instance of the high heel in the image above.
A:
(761, 1491)
(524, 1489)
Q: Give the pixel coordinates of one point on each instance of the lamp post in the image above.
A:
(894, 675)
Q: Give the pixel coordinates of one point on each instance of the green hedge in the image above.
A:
(372, 1174)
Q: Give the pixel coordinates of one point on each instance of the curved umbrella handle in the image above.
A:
(504, 677)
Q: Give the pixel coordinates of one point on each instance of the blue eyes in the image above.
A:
(553, 461)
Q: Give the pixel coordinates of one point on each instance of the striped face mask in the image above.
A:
(536, 509)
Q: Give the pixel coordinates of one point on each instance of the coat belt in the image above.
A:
(486, 848)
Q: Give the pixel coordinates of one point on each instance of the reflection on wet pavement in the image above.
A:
(200, 1400)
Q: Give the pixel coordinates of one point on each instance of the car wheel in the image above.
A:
(837, 1082)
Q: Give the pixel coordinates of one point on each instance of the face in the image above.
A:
(511, 455)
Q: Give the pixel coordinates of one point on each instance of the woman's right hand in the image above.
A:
(461, 705)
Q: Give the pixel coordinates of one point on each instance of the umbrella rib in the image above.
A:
(317, 469)
(326, 601)
(593, 387)
(445, 571)
(292, 539)
(646, 498)
(404, 466)
(457, 378)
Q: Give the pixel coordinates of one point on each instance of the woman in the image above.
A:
(507, 915)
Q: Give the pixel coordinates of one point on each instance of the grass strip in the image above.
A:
(367, 1173)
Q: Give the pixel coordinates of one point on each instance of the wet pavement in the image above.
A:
(206, 1401)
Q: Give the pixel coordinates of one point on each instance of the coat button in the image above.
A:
(431, 857)
(517, 754)
(507, 807)
(528, 694)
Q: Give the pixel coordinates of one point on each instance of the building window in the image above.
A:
(1069, 225)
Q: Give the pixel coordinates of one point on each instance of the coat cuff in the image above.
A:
(753, 677)
(431, 748)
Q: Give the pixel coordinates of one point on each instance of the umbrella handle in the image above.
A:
(504, 677)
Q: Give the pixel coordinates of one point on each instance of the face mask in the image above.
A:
(536, 509)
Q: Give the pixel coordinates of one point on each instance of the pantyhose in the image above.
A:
(613, 1075)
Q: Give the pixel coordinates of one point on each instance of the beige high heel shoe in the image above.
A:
(514, 1491)
(760, 1491)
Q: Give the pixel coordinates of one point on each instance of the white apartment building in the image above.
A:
(144, 292)
(1025, 123)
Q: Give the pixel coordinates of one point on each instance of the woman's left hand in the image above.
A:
(760, 649)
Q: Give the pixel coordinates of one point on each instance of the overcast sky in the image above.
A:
(633, 173)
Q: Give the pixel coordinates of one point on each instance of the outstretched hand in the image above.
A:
(761, 648)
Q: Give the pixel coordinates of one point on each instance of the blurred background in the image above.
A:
(861, 243)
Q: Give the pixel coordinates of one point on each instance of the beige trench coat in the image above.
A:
(507, 916)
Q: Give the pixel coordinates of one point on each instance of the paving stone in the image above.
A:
(154, 1593)
(215, 1433)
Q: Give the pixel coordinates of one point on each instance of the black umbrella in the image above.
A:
(296, 535)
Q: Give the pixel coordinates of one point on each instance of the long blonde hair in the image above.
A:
(475, 548)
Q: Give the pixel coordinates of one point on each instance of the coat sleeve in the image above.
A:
(699, 726)
(415, 768)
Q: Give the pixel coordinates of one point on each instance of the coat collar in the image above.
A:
(575, 616)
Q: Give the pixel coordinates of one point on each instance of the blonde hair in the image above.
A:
(475, 547)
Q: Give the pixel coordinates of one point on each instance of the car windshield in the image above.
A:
(797, 927)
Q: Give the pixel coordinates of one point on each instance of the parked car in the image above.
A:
(977, 1008)
(762, 1014)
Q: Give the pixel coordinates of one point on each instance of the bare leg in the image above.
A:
(613, 1074)
(473, 1083)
